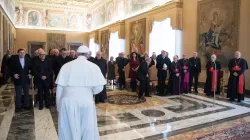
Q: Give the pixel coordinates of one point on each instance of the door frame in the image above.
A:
(30, 43)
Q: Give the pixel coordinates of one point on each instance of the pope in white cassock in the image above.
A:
(77, 82)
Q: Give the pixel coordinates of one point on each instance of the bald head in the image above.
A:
(99, 55)
(175, 58)
(237, 54)
(195, 54)
(56, 52)
(213, 58)
(72, 53)
(184, 56)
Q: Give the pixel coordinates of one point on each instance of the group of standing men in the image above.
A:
(182, 73)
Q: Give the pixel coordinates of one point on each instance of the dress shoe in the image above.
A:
(18, 110)
(40, 107)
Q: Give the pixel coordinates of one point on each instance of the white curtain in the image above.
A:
(116, 45)
(163, 37)
(93, 46)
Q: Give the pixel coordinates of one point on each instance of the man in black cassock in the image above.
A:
(42, 70)
(236, 82)
(102, 64)
(185, 73)
(195, 70)
(175, 77)
(59, 61)
(213, 77)
(142, 76)
(51, 58)
(163, 63)
(121, 63)
(5, 66)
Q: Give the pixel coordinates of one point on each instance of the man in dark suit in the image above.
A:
(20, 70)
(59, 61)
(163, 64)
(102, 64)
(195, 70)
(5, 66)
(42, 70)
(121, 63)
(142, 76)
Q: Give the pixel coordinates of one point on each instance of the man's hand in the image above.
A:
(185, 71)
(164, 68)
(16, 76)
(44, 77)
(29, 76)
(235, 74)
(147, 75)
(177, 74)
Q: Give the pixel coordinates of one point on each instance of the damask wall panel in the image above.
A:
(56, 41)
(138, 35)
(218, 22)
(105, 44)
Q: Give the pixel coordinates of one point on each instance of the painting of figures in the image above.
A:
(109, 11)
(56, 19)
(19, 16)
(74, 21)
(218, 29)
(137, 35)
(99, 17)
(105, 44)
(33, 18)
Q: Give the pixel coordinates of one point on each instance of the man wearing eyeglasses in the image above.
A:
(42, 70)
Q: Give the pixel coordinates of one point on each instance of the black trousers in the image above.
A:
(161, 87)
(121, 79)
(19, 88)
(43, 92)
(133, 84)
(143, 88)
(195, 76)
(6, 76)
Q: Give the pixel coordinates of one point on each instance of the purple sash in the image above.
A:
(186, 79)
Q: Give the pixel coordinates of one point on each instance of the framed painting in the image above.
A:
(56, 41)
(105, 44)
(218, 22)
(137, 35)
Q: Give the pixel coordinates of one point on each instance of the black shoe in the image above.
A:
(18, 110)
(47, 106)
(40, 107)
(239, 101)
(27, 108)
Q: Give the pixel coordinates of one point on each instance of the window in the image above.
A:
(93, 46)
(163, 37)
(116, 45)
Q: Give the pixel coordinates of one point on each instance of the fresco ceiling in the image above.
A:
(71, 3)
(73, 15)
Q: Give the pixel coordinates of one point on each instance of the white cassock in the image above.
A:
(77, 82)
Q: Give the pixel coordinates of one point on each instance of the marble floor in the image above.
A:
(124, 117)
